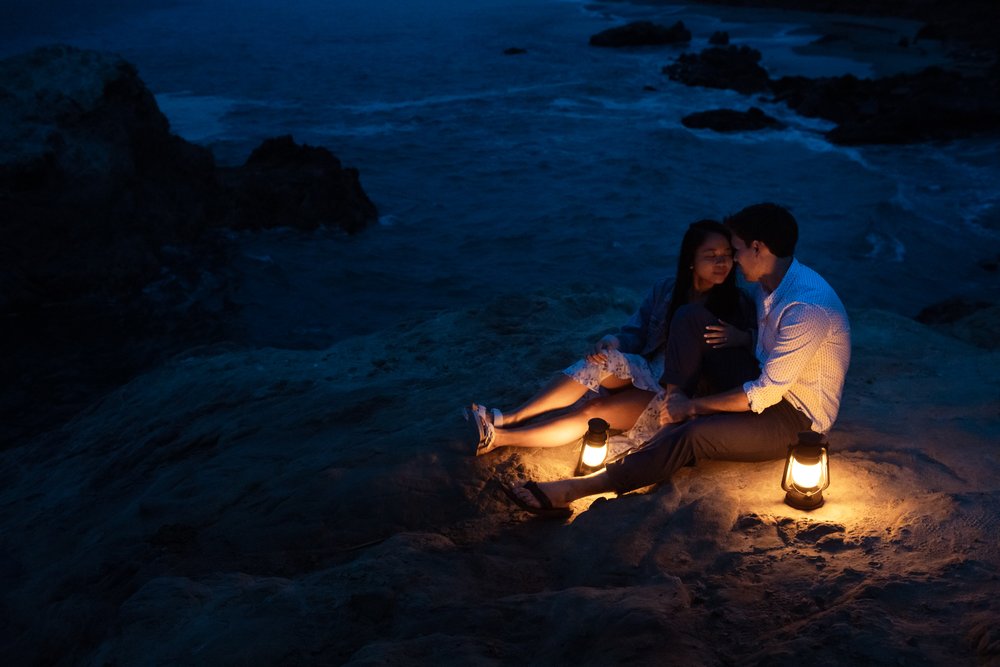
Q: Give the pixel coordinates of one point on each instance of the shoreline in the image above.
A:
(873, 38)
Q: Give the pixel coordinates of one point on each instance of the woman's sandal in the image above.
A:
(546, 508)
(494, 415)
(487, 432)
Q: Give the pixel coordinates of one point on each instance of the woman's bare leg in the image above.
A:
(561, 392)
(620, 410)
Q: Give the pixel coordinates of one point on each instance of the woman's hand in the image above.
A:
(598, 354)
(724, 334)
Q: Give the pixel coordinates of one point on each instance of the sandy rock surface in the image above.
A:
(295, 507)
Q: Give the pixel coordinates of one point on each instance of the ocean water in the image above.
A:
(496, 174)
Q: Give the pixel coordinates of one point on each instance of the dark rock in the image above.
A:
(973, 320)
(927, 105)
(729, 67)
(95, 191)
(991, 264)
(174, 537)
(719, 38)
(830, 39)
(933, 31)
(92, 183)
(730, 120)
(642, 33)
(970, 21)
(111, 259)
(950, 310)
(933, 104)
(290, 185)
(375, 607)
(903, 42)
(514, 51)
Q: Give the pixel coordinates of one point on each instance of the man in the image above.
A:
(803, 347)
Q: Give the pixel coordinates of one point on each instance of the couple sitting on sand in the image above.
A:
(701, 371)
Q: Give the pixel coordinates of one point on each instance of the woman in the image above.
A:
(635, 365)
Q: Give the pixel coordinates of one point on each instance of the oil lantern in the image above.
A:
(595, 447)
(807, 471)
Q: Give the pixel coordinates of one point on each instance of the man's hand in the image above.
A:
(598, 354)
(677, 407)
(724, 334)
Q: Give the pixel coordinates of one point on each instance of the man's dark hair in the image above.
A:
(768, 223)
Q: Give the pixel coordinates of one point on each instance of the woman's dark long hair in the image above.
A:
(723, 299)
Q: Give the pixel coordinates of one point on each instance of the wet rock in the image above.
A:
(642, 33)
(514, 51)
(284, 184)
(731, 120)
(732, 67)
(719, 38)
(933, 104)
(970, 21)
(928, 105)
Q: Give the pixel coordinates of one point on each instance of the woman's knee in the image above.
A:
(630, 402)
(613, 382)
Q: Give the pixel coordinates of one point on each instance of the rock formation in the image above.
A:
(927, 105)
(283, 184)
(731, 120)
(642, 33)
(970, 21)
(110, 259)
(734, 67)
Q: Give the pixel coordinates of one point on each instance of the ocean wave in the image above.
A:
(195, 117)
(439, 100)
(886, 247)
(946, 184)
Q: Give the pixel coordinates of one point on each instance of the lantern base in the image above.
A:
(584, 469)
(801, 501)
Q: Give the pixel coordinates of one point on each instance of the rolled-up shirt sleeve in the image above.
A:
(801, 331)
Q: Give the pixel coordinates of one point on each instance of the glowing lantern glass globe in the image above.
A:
(807, 471)
(595, 447)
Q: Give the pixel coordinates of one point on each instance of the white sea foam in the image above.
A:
(440, 100)
(885, 247)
